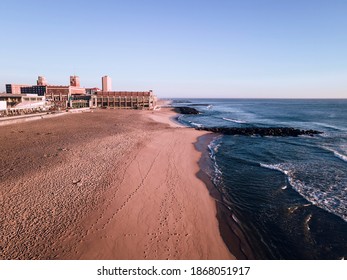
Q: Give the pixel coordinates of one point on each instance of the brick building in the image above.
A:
(127, 99)
(73, 95)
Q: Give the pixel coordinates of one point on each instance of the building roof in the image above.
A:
(11, 95)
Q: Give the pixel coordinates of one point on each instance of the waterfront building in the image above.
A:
(75, 96)
(22, 100)
(127, 99)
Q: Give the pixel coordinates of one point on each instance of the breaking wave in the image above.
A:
(337, 154)
(233, 120)
(195, 124)
(217, 173)
(332, 199)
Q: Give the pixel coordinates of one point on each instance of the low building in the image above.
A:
(21, 104)
(11, 99)
(22, 100)
(127, 99)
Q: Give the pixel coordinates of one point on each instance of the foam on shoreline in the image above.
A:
(230, 227)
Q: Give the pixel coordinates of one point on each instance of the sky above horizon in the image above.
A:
(191, 48)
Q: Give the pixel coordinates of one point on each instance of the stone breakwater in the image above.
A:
(186, 110)
(261, 131)
(249, 131)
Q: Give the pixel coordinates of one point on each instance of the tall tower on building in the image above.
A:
(41, 81)
(106, 83)
(75, 81)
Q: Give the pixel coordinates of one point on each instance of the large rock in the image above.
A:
(260, 131)
(186, 110)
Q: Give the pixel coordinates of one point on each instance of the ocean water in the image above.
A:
(289, 194)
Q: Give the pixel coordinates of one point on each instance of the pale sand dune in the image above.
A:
(104, 185)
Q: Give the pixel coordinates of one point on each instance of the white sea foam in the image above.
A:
(195, 124)
(332, 200)
(307, 221)
(337, 154)
(292, 209)
(234, 121)
(324, 200)
(217, 173)
(341, 156)
(235, 219)
(277, 167)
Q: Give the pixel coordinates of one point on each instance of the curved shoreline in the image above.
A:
(105, 185)
(230, 230)
(233, 241)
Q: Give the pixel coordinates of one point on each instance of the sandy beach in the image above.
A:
(106, 184)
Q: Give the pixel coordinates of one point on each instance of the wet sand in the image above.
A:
(106, 184)
(230, 228)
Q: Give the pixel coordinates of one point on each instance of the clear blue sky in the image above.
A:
(180, 48)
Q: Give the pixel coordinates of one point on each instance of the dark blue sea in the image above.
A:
(288, 194)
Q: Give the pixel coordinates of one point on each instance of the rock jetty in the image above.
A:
(186, 110)
(261, 131)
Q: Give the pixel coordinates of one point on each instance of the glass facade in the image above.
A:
(8, 88)
(39, 90)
